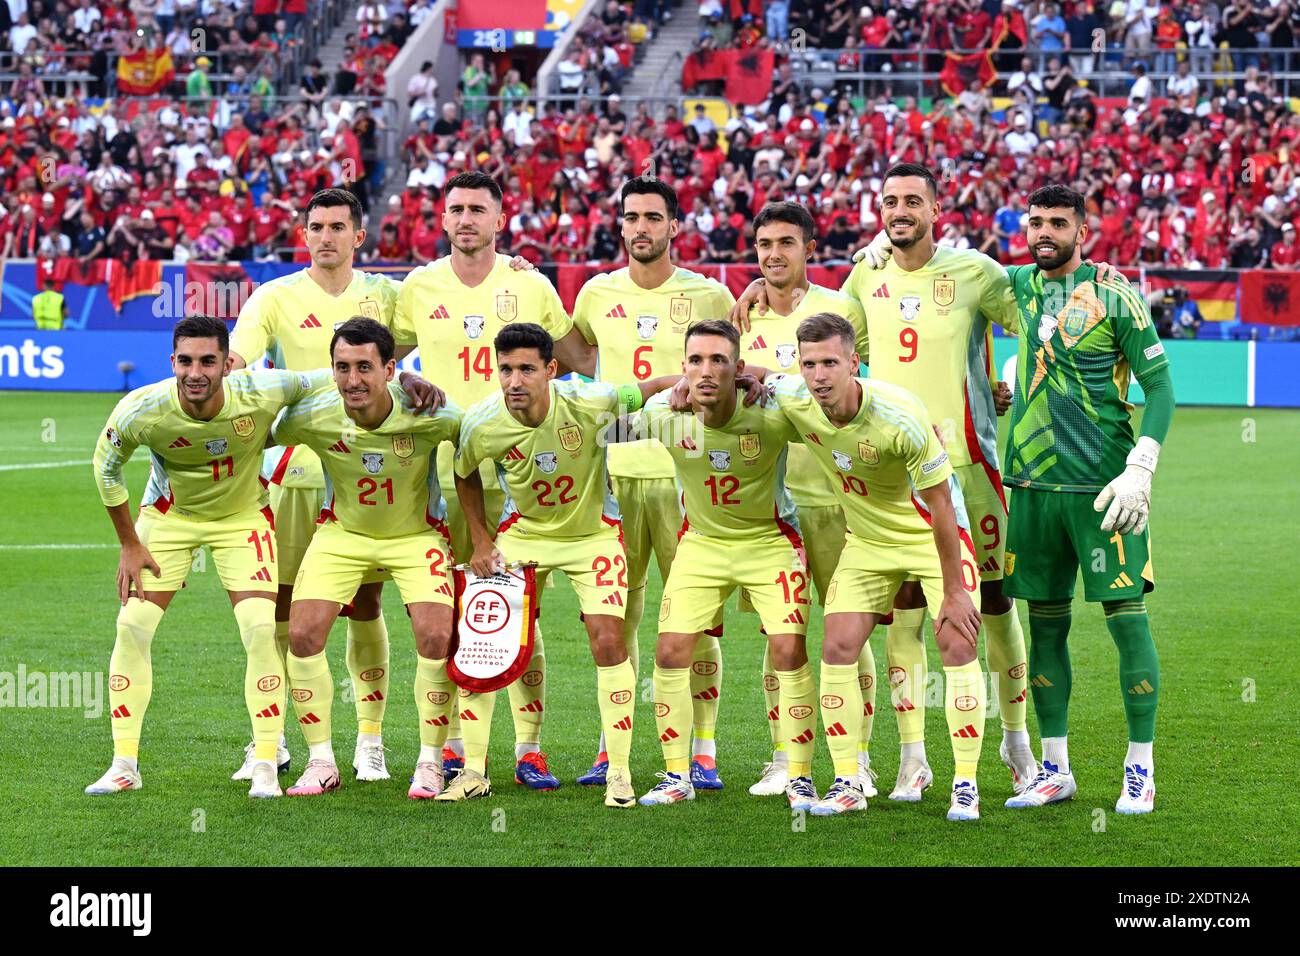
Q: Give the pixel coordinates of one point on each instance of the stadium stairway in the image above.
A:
(678, 35)
(331, 52)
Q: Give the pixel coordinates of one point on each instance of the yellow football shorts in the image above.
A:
(870, 574)
(652, 516)
(986, 508)
(338, 561)
(296, 512)
(595, 565)
(243, 548)
(706, 571)
(823, 529)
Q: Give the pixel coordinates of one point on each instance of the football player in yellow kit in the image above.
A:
(632, 322)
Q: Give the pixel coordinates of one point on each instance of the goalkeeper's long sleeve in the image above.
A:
(1158, 386)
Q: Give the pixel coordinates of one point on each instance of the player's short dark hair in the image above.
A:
(525, 335)
(202, 327)
(1056, 196)
(720, 327)
(912, 169)
(649, 186)
(332, 197)
(789, 212)
(473, 180)
(824, 326)
(359, 330)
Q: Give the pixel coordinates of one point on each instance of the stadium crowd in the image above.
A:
(1190, 171)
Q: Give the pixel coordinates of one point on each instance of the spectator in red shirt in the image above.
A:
(424, 239)
(1286, 254)
(689, 246)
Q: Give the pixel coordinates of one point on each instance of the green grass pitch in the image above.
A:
(1225, 504)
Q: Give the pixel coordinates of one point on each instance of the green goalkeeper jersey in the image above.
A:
(1080, 342)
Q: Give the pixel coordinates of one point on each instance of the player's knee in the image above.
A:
(305, 640)
(608, 649)
(954, 649)
(789, 654)
(433, 643)
(992, 600)
(674, 650)
(838, 647)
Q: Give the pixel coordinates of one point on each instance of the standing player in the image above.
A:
(740, 530)
(290, 320)
(1081, 340)
(621, 316)
(876, 443)
(928, 321)
(452, 309)
(205, 431)
(545, 440)
(383, 509)
(783, 238)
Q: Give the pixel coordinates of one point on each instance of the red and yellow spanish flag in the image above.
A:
(144, 72)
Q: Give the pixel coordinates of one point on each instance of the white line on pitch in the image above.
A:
(53, 547)
(45, 464)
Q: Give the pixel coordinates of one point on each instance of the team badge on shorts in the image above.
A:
(373, 463)
(507, 307)
(244, 426)
(403, 445)
(216, 446)
(679, 310)
(720, 460)
(370, 309)
(867, 452)
(647, 326)
(785, 355)
(842, 461)
(546, 461)
(570, 437)
(944, 292)
(473, 326)
(750, 445)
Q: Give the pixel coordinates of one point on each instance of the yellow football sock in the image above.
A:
(771, 699)
(905, 650)
(312, 690)
(282, 644)
(842, 716)
(1004, 652)
(476, 726)
(964, 705)
(435, 697)
(706, 687)
(616, 690)
(673, 716)
(528, 696)
(798, 701)
(263, 674)
(867, 684)
(367, 658)
(130, 682)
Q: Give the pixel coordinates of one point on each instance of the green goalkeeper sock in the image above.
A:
(1139, 668)
(1049, 665)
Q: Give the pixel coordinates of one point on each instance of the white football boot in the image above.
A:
(117, 778)
(1049, 786)
(801, 793)
(866, 776)
(427, 782)
(618, 790)
(914, 777)
(671, 788)
(368, 762)
(772, 782)
(1139, 793)
(965, 803)
(1021, 763)
(844, 796)
(320, 776)
(265, 781)
(245, 771)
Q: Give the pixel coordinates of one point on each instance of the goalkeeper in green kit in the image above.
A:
(1082, 483)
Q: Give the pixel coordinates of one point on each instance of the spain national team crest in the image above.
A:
(370, 309)
(570, 437)
(373, 463)
(244, 426)
(679, 310)
(945, 292)
(868, 453)
(403, 446)
(750, 445)
(1073, 321)
(216, 446)
(507, 307)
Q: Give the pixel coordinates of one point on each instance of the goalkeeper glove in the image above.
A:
(877, 252)
(1127, 499)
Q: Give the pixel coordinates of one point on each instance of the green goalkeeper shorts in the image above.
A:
(1052, 535)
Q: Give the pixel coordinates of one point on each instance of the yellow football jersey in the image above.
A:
(877, 462)
(291, 320)
(731, 479)
(771, 343)
(206, 470)
(382, 483)
(929, 332)
(554, 476)
(454, 325)
(641, 334)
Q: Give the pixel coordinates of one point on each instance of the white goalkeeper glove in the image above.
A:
(877, 252)
(1127, 499)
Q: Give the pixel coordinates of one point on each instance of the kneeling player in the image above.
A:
(740, 531)
(205, 431)
(383, 509)
(547, 440)
(905, 521)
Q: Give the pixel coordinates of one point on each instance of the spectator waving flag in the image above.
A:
(144, 72)
(958, 71)
(749, 79)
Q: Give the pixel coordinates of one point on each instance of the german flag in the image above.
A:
(1213, 290)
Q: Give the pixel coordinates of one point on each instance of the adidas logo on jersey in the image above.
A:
(757, 344)
(514, 454)
(440, 313)
(616, 312)
(180, 443)
(341, 448)
(812, 437)
(881, 293)
(988, 566)
(311, 322)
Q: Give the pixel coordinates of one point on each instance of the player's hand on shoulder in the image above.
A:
(520, 264)
(130, 571)
(755, 293)
(1107, 272)
(1001, 397)
(679, 396)
(875, 253)
(426, 398)
(487, 560)
(755, 390)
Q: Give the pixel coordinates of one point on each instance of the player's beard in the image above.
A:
(657, 248)
(1064, 253)
(921, 230)
(469, 248)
